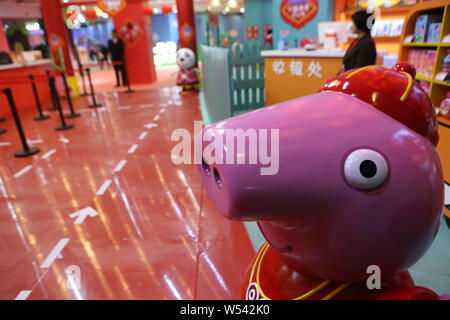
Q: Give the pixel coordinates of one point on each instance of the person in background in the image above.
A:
(117, 51)
(103, 55)
(362, 51)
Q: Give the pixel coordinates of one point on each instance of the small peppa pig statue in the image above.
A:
(187, 75)
(358, 195)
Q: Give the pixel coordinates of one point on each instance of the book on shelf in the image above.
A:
(422, 26)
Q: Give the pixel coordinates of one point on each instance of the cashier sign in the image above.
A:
(296, 68)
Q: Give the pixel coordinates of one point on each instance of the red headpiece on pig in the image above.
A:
(392, 91)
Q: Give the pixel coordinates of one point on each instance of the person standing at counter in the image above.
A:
(362, 51)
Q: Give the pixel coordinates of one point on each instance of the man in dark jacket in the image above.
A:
(362, 51)
(117, 51)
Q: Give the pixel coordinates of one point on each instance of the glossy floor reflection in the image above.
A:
(148, 230)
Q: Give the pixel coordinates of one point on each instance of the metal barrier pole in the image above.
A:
(94, 102)
(41, 116)
(84, 94)
(72, 114)
(63, 125)
(54, 104)
(27, 151)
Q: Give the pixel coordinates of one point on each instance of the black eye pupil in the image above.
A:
(368, 169)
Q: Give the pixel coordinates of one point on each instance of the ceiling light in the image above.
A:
(242, 10)
(32, 26)
(215, 3)
(232, 3)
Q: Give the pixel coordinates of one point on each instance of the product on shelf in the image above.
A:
(446, 64)
(446, 38)
(387, 28)
(422, 26)
(434, 32)
(397, 26)
(423, 60)
(444, 108)
(391, 3)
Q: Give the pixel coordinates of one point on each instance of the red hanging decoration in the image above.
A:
(148, 11)
(297, 13)
(166, 9)
(90, 14)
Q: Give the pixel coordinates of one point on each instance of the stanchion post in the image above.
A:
(54, 104)
(63, 125)
(125, 71)
(84, 94)
(72, 114)
(94, 102)
(27, 151)
(41, 115)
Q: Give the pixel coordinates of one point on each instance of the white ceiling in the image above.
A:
(30, 9)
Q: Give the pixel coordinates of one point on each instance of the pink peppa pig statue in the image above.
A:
(358, 191)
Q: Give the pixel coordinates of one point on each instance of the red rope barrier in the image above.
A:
(116, 63)
(26, 79)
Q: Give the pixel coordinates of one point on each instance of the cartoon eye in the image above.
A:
(365, 169)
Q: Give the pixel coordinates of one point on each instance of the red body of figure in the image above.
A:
(271, 278)
(187, 77)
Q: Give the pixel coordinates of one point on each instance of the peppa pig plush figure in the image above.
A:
(358, 194)
(187, 75)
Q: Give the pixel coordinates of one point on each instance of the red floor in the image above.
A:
(156, 235)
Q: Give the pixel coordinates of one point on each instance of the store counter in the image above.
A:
(22, 92)
(296, 72)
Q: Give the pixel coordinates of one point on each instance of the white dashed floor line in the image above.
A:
(23, 295)
(132, 149)
(104, 187)
(48, 154)
(54, 253)
(143, 135)
(23, 171)
(120, 165)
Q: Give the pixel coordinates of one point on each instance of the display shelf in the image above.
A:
(442, 83)
(421, 44)
(387, 38)
(423, 79)
(443, 121)
(396, 9)
(438, 89)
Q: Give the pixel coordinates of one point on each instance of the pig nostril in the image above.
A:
(206, 167)
(217, 178)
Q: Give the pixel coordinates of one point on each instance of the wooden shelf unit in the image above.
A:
(398, 12)
(438, 89)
